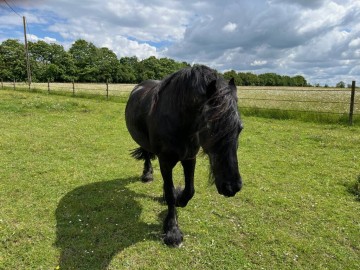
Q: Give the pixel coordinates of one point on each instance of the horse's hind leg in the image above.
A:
(147, 175)
(142, 154)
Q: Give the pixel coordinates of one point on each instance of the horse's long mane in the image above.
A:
(222, 115)
(190, 84)
(190, 79)
(187, 83)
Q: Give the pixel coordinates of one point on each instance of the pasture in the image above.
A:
(71, 197)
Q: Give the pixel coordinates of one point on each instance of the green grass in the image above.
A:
(71, 198)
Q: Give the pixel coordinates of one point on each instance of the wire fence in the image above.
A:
(323, 101)
(102, 89)
(313, 100)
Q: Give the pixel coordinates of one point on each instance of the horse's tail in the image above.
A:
(141, 154)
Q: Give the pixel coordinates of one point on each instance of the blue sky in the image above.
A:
(319, 39)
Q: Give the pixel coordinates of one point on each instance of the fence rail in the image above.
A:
(103, 89)
(331, 101)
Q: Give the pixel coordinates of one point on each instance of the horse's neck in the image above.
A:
(185, 110)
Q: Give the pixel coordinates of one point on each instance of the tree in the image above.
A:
(39, 53)
(286, 81)
(168, 66)
(233, 74)
(340, 84)
(12, 60)
(271, 79)
(248, 79)
(157, 69)
(299, 81)
(64, 62)
(128, 70)
(148, 69)
(50, 62)
(85, 55)
(107, 65)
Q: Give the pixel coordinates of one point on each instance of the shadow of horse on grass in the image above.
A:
(97, 221)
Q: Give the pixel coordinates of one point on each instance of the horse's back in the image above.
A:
(143, 87)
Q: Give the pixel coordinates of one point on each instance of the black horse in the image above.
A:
(171, 119)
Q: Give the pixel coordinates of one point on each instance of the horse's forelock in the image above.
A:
(221, 114)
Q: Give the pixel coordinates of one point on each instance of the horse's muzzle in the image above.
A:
(230, 189)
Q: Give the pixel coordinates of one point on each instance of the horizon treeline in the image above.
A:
(84, 62)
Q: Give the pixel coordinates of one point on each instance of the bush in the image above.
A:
(340, 84)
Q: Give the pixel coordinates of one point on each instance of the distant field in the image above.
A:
(71, 198)
(306, 103)
(333, 100)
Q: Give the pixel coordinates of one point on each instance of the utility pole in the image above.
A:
(27, 54)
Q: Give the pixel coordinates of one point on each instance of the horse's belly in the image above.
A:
(135, 116)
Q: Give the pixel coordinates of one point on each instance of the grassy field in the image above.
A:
(71, 198)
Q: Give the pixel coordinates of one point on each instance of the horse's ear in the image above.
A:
(232, 82)
(233, 86)
(211, 89)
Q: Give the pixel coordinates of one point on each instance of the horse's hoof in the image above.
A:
(146, 178)
(173, 237)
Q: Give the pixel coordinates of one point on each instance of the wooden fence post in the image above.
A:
(73, 84)
(107, 88)
(2, 83)
(14, 83)
(352, 103)
(49, 86)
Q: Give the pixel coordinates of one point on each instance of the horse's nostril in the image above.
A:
(230, 189)
(226, 187)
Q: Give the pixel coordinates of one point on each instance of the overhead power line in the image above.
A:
(12, 9)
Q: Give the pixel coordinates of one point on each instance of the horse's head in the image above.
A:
(219, 135)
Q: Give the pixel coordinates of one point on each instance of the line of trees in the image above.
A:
(84, 62)
(266, 79)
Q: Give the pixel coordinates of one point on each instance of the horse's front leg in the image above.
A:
(185, 195)
(173, 235)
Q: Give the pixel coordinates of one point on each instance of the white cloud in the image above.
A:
(35, 38)
(258, 63)
(355, 43)
(124, 47)
(32, 38)
(230, 27)
(50, 40)
(328, 16)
